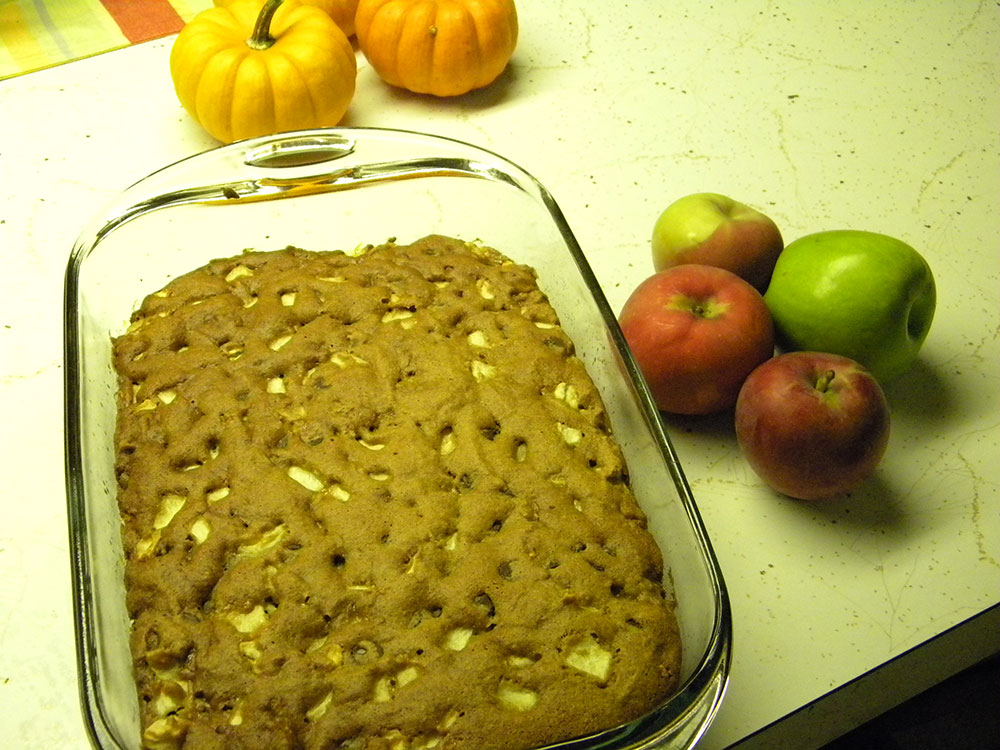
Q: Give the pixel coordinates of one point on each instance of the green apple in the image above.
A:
(715, 230)
(862, 295)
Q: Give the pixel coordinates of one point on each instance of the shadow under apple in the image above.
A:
(874, 506)
(922, 394)
(718, 427)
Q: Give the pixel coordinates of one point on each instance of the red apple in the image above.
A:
(812, 425)
(696, 332)
(715, 230)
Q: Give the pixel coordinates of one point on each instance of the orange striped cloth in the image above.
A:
(40, 33)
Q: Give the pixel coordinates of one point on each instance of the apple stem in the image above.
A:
(823, 383)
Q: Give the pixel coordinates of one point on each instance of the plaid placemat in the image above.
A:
(38, 34)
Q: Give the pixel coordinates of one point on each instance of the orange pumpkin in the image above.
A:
(341, 11)
(440, 47)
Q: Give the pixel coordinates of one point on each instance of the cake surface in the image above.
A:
(373, 501)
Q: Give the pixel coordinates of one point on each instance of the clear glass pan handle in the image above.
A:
(299, 151)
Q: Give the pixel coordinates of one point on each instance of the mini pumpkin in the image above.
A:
(341, 11)
(246, 69)
(440, 47)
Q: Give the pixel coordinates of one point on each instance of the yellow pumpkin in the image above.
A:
(245, 69)
(341, 11)
(440, 47)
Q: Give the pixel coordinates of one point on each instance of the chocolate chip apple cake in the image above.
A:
(371, 500)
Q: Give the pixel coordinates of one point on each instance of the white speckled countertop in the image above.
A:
(858, 114)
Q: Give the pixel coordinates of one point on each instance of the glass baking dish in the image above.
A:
(339, 189)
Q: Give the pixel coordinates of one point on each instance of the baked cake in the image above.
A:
(372, 500)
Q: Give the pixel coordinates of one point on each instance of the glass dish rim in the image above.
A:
(710, 675)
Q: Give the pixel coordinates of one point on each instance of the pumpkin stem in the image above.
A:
(261, 37)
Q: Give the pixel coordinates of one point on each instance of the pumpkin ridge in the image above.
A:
(209, 94)
(293, 65)
(388, 66)
(415, 29)
(457, 58)
(188, 81)
(324, 103)
(236, 114)
(484, 34)
(264, 108)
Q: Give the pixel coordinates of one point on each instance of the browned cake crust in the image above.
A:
(373, 502)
